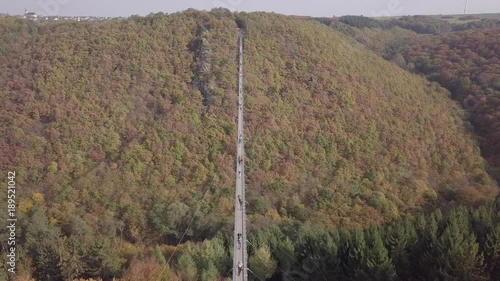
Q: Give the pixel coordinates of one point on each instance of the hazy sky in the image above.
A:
(291, 7)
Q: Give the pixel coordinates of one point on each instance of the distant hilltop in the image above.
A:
(35, 17)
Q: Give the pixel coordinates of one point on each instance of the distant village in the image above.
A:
(34, 17)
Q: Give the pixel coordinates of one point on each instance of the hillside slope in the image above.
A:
(121, 132)
(345, 136)
(131, 124)
(466, 63)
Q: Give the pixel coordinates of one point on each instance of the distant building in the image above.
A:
(30, 15)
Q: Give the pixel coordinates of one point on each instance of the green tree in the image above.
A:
(99, 261)
(456, 252)
(285, 255)
(186, 264)
(262, 264)
(38, 230)
(379, 265)
(46, 263)
(178, 219)
(160, 258)
(492, 253)
(355, 259)
(317, 255)
(401, 239)
(423, 257)
(213, 255)
(42, 242)
(210, 273)
(71, 261)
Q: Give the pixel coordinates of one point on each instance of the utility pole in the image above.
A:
(240, 255)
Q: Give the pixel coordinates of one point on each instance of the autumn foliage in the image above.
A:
(123, 134)
(468, 64)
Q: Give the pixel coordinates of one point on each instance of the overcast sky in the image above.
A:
(292, 7)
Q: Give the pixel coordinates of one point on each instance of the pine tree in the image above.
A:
(286, 257)
(457, 255)
(47, 267)
(160, 258)
(261, 263)
(482, 222)
(72, 265)
(41, 241)
(98, 261)
(343, 253)
(38, 230)
(423, 258)
(186, 264)
(355, 263)
(401, 240)
(379, 265)
(317, 253)
(210, 273)
(492, 253)
(212, 257)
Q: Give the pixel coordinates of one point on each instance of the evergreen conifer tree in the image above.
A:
(456, 251)
(379, 265)
(492, 253)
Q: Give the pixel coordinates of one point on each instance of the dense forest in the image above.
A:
(464, 62)
(468, 64)
(463, 244)
(418, 24)
(123, 133)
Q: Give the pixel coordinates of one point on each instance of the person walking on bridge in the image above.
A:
(239, 240)
(240, 268)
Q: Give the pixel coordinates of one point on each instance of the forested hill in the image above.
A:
(466, 63)
(124, 130)
(460, 57)
(359, 132)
